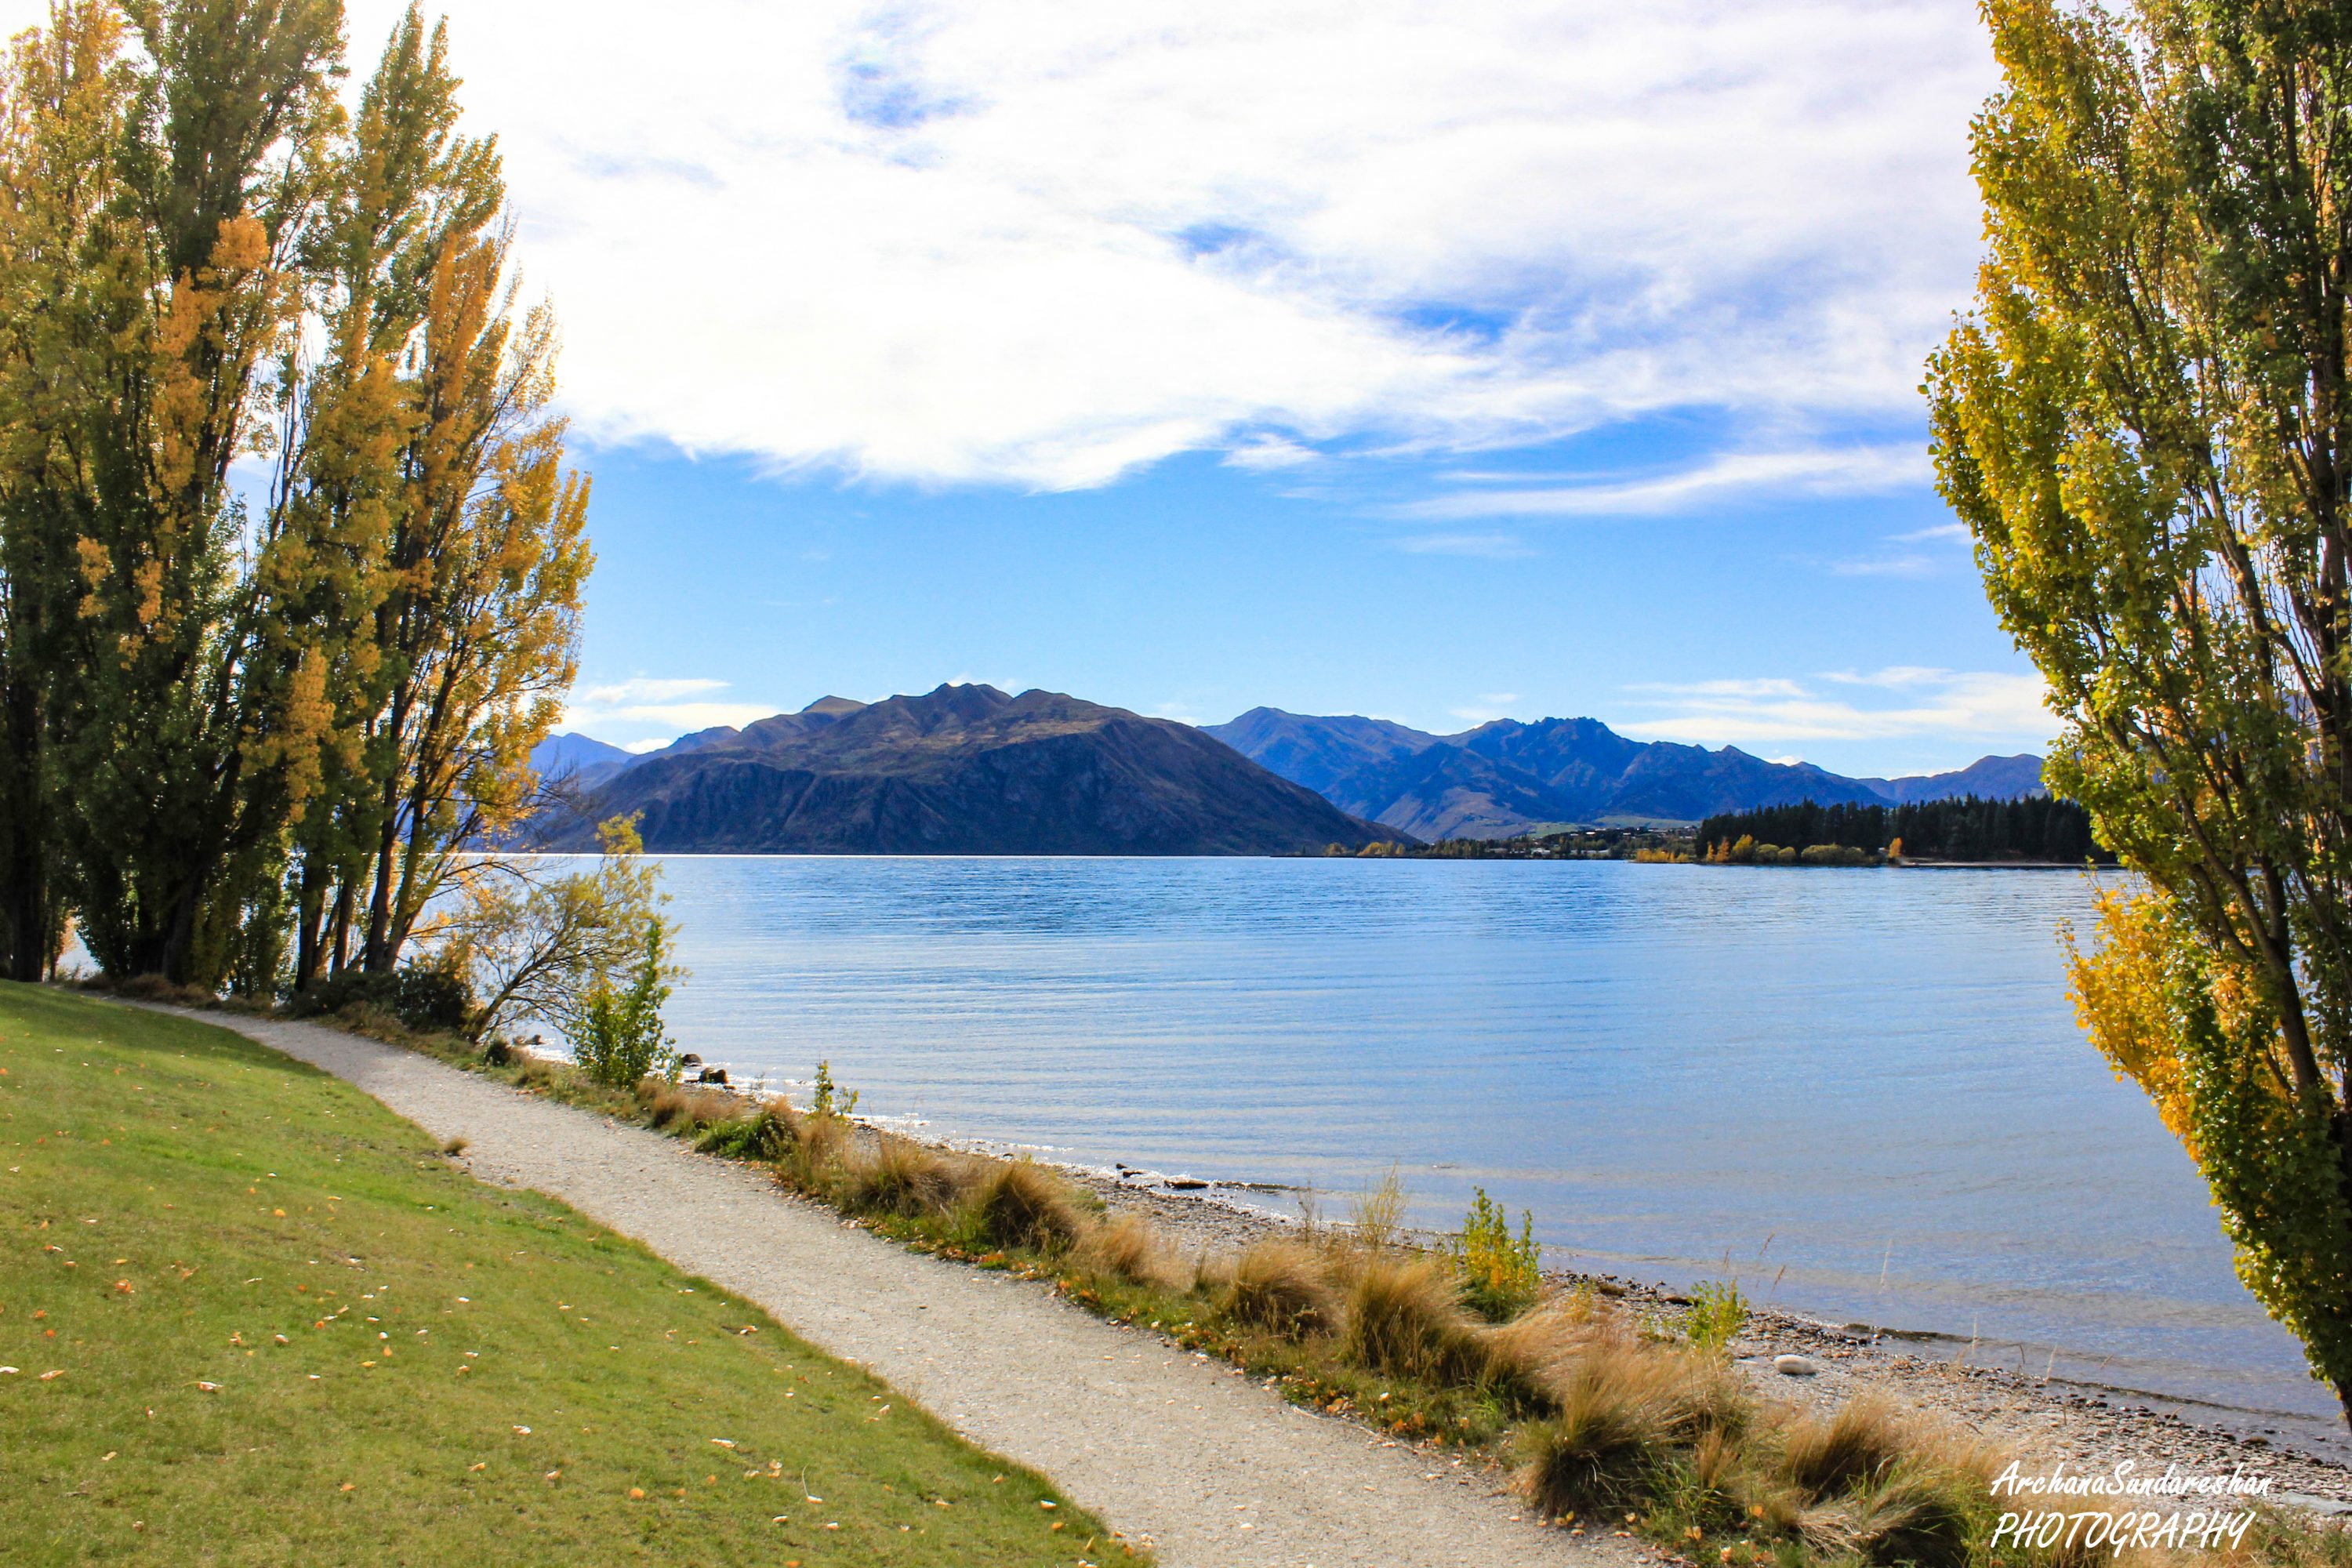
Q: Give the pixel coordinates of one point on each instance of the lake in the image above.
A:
(1862, 1093)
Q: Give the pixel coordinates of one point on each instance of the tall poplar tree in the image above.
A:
(2146, 424)
(227, 721)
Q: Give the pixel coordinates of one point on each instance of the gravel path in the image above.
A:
(1165, 1445)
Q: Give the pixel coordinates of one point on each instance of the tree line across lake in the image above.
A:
(2036, 828)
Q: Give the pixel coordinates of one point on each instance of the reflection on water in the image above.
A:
(1861, 1091)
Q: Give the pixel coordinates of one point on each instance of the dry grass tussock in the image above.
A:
(1019, 1202)
(684, 1107)
(900, 1176)
(1621, 1410)
(1131, 1248)
(1403, 1315)
(1856, 1444)
(1282, 1288)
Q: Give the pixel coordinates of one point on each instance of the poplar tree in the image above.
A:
(230, 720)
(2146, 423)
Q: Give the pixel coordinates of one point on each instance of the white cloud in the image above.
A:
(643, 689)
(1488, 546)
(1270, 452)
(1844, 471)
(1014, 241)
(674, 717)
(1888, 566)
(1490, 706)
(649, 703)
(1974, 703)
(1948, 533)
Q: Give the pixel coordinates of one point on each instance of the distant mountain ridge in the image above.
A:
(961, 770)
(1503, 778)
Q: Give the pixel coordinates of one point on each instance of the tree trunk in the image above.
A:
(309, 917)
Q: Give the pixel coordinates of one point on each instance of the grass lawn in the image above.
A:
(253, 1316)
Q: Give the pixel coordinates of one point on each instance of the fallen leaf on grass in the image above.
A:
(636, 1494)
(523, 1431)
(724, 1442)
(208, 1387)
(349, 1487)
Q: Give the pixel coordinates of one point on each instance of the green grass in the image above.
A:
(181, 1208)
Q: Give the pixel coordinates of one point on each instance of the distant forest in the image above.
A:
(2033, 828)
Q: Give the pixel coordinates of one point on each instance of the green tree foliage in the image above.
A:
(533, 944)
(617, 1033)
(2146, 425)
(226, 728)
(2035, 827)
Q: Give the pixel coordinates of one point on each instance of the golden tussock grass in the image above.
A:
(1019, 1202)
(1403, 1315)
(896, 1176)
(1129, 1247)
(1619, 1409)
(1855, 1444)
(1281, 1288)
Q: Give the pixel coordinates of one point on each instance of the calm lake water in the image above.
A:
(1861, 1092)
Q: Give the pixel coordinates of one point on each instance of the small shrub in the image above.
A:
(1501, 1277)
(1020, 1204)
(431, 999)
(616, 1037)
(827, 1098)
(1716, 1312)
(767, 1134)
(1404, 1317)
(454, 1146)
(1279, 1287)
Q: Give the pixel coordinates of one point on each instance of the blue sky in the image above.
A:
(1433, 359)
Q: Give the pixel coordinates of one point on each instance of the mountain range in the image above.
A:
(962, 770)
(1503, 778)
(969, 770)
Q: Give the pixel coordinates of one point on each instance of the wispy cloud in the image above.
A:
(1946, 532)
(1014, 241)
(1490, 546)
(1888, 566)
(1489, 707)
(1267, 453)
(1920, 701)
(645, 689)
(661, 704)
(1828, 471)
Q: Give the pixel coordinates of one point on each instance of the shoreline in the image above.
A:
(2087, 1425)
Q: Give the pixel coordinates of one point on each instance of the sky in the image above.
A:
(1438, 362)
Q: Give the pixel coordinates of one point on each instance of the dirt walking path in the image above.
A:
(1164, 1444)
